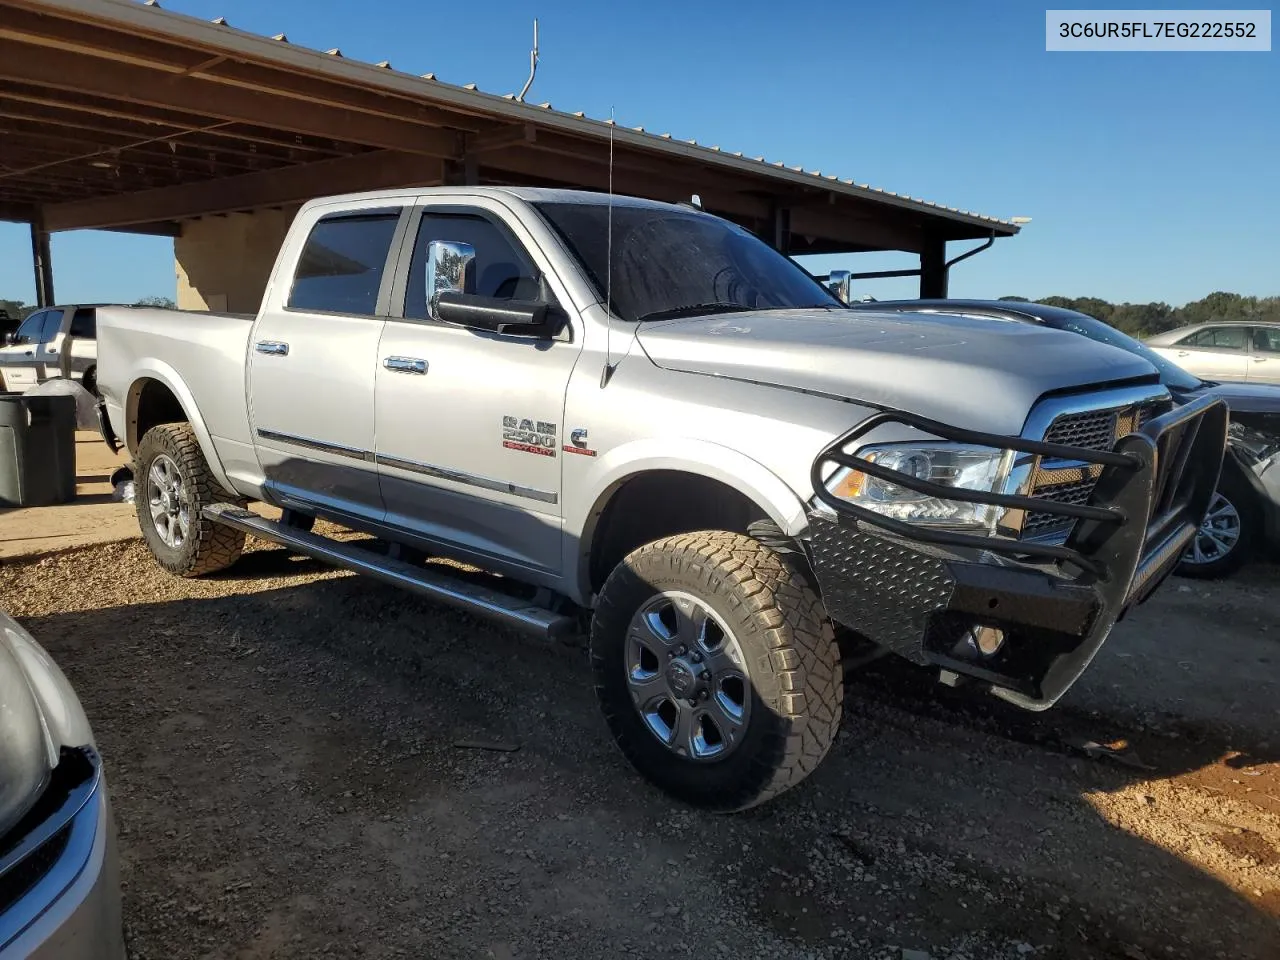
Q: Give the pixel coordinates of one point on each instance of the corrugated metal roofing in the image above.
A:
(591, 126)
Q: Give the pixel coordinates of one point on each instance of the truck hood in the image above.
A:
(39, 714)
(966, 372)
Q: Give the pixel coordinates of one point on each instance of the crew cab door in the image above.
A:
(1264, 356)
(48, 349)
(1214, 353)
(312, 356)
(469, 422)
(19, 364)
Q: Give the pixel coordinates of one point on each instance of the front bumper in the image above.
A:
(62, 897)
(920, 593)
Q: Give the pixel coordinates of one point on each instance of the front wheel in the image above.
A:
(1227, 534)
(173, 485)
(716, 668)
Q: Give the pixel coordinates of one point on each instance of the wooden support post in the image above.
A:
(42, 262)
(933, 269)
(782, 229)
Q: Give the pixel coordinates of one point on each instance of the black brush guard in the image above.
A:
(921, 591)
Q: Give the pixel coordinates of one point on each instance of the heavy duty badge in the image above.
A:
(529, 436)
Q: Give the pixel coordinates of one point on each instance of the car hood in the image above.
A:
(39, 714)
(966, 372)
(1246, 397)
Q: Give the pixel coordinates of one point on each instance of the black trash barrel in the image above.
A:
(37, 450)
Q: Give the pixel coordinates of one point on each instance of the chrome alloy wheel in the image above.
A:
(1219, 532)
(170, 505)
(688, 677)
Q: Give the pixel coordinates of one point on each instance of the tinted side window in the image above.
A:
(341, 266)
(1230, 338)
(29, 332)
(1266, 340)
(52, 321)
(84, 324)
(502, 268)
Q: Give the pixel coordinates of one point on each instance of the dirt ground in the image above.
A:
(282, 752)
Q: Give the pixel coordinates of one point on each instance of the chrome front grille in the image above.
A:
(1070, 482)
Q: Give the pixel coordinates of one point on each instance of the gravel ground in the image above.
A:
(281, 745)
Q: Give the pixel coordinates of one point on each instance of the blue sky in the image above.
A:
(1149, 176)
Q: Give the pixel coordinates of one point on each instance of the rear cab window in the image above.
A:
(84, 325)
(343, 263)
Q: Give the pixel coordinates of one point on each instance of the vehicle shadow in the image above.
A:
(254, 728)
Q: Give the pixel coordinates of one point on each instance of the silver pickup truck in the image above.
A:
(641, 413)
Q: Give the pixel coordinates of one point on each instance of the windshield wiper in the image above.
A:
(694, 310)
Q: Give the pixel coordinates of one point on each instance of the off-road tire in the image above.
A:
(797, 684)
(209, 547)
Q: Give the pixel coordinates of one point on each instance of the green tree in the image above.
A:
(17, 310)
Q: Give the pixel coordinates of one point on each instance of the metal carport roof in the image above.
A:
(121, 115)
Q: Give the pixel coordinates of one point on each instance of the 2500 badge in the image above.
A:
(529, 436)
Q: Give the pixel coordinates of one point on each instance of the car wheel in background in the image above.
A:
(716, 668)
(173, 485)
(1227, 535)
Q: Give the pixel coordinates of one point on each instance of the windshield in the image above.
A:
(1171, 375)
(668, 263)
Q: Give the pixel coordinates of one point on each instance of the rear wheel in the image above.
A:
(173, 485)
(716, 668)
(1228, 534)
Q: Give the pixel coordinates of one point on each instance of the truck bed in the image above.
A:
(196, 354)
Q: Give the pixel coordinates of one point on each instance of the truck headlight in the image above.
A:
(946, 464)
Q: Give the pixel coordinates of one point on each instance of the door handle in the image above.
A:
(405, 365)
(1184, 353)
(273, 348)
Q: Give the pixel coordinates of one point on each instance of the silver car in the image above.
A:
(1224, 351)
(59, 884)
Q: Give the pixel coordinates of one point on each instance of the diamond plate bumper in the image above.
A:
(920, 592)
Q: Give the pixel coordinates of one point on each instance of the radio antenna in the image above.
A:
(533, 64)
(607, 372)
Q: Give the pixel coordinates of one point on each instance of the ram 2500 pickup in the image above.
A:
(641, 412)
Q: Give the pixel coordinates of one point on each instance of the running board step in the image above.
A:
(473, 598)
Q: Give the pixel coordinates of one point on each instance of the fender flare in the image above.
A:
(158, 370)
(706, 458)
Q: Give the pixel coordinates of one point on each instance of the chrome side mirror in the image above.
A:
(838, 284)
(451, 268)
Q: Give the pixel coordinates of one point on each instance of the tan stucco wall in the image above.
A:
(224, 263)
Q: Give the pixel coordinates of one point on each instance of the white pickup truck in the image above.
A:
(54, 342)
(640, 412)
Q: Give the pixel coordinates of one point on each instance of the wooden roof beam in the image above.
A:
(60, 70)
(129, 132)
(369, 171)
(99, 42)
(138, 113)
